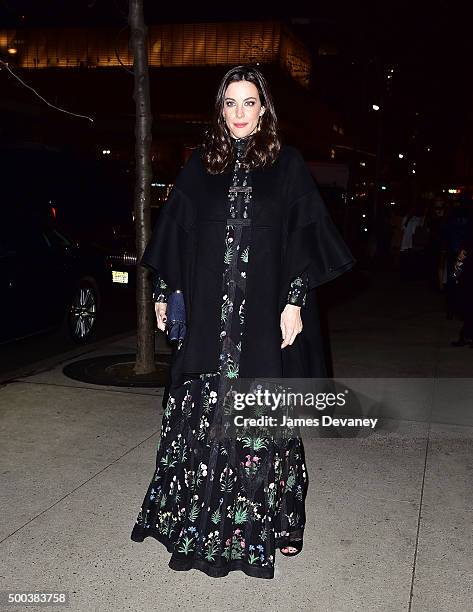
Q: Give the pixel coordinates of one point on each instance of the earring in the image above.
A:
(258, 128)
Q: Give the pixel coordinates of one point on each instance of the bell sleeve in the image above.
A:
(298, 291)
(313, 245)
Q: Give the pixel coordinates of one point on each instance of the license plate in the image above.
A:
(119, 277)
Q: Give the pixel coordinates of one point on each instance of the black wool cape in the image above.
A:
(291, 232)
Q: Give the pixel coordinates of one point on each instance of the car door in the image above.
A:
(38, 272)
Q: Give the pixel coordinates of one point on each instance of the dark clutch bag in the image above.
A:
(176, 317)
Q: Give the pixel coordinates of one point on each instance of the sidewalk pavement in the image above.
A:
(388, 510)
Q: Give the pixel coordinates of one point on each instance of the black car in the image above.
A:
(121, 257)
(81, 256)
(59, 214)
(46, 280)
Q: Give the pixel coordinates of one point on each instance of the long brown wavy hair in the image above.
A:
(264, 145)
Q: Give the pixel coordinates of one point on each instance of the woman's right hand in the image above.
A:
(160, 309)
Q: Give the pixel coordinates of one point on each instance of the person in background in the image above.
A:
(462, 276)
(435, 222)
(454, 235)
(409, 257)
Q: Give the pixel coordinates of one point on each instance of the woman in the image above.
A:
(246, 238)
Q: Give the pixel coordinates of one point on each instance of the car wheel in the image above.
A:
(83, 312)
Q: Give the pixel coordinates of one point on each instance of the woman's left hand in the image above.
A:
(291, 324)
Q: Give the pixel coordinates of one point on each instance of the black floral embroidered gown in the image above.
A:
(218, 507)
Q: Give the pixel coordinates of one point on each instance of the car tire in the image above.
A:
(83, 311)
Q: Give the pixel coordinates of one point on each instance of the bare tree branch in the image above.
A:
(62, 110)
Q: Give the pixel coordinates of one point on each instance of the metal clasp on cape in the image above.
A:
(241, 189)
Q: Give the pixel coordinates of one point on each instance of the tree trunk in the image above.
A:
(143, 175)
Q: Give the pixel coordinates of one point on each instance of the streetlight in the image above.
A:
(375, 107)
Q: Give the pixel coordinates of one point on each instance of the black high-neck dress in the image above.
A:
(220, 507)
